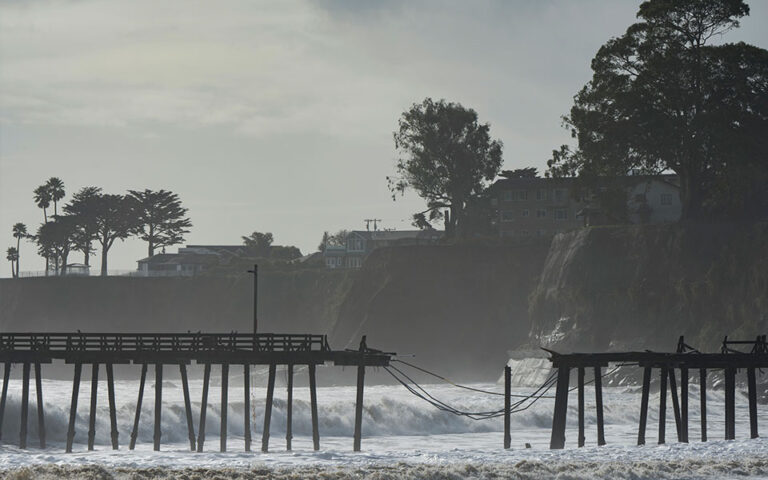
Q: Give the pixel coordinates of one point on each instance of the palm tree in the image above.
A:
(19, 232)
(43, 199)
(12, 255)
(56, 189)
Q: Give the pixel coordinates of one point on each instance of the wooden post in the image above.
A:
(561, 408)
(247, 406)
(644, 405)
(203, 407)
(313, 406)
(224, 404)
(507, 406)
(675, 403)
(684, 404)
(112, 408)
(359, 398)
(289, 410)
(268, 408)
(92, 417)
(663, 405)
(24, 407)
(730, 403)
(752, 393)
(187, 406)
(599, 406)
(580, 387)
(73, 407)
(135, 431)
(4, 395)
(158, 405)
(703, 402)
(40, 405)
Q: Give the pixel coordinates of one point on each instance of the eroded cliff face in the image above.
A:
(611, 288)
(458, 309)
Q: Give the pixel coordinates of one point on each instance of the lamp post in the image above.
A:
(255, 273)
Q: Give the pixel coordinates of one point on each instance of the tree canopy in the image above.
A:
(664, 97)
(114, 218)
(161, 220)
(446, 156)
(83, 207)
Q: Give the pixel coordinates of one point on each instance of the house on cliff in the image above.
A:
(540, 207)
(360, 243)
(189, 261)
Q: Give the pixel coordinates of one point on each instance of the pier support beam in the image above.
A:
(112, 407)
(599, 406)
(359, 397)
(247, 406)
(703, 402)
(73, 406)
(752, 393)
(580, 387)
(203, 407)
(684, 405)
(268, 408)
(158, 405)
(187, 406)
(40, 405)
(4, 394)
(289, 410)
(313, 406)
(663, 405)
(224, 405)
(730, 403)
(24, 406)
(507, 406)
(135, 431)
(644, 405)
(92, 415)
(675, 403)
(561, 408)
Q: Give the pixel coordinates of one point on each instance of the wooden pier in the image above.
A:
(730, 360)
(178, 350)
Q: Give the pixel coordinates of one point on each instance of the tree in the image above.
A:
(56, 189)
(114, 219)
(258, 244)
(446, 156)
(19, 232)
(43, 199)
(337, 239)
(55, 239)
(161, 219)
(83, 207)
(12, 255)
(663, 98)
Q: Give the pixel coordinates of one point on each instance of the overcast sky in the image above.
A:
(276, 116)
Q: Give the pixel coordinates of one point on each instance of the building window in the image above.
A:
(541, 233)
(522, 195)
(507, 196)
(561, 214)
(541, 195)
(666, 199)
(507, 216)
(559, 194)
(355, 244)
(526, 213)
(541, 213)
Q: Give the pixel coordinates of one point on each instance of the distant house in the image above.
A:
(360, 243)
(189, 261)
(539, 207)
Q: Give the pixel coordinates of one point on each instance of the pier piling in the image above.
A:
(203, 407)
(703, 402)
(187, 406)
(268, 408)
(73, 406)
(112, 409)
(313, 406)
(644, 405)
(752, 393)
(4, 394)
(158, 405)
(135, 431)
(581, 405)
(40, 404)
(359, 397)
(675, 403)
(561, 408)
(599, 406)
(92, 414)
(684, 405)
(730, 403)
(507, 406)
(24, 406)
(247, 406)
(224, 406)
(663, 405)
(289, 409)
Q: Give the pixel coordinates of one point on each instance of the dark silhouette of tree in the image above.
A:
(19, 232)
(337, 239)
(56, 239)
(12, 255)
(528, 172)
(161, 220)
(83, 207)
(284, 253)
(446, 157)
(662, 97)
(56, 189)
(115, 218)
(258, 244)
(43, 200)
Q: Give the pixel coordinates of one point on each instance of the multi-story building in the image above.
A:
(360, 243)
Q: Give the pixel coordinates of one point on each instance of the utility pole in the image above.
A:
(255, 273)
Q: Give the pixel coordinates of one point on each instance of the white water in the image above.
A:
(401, 432)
